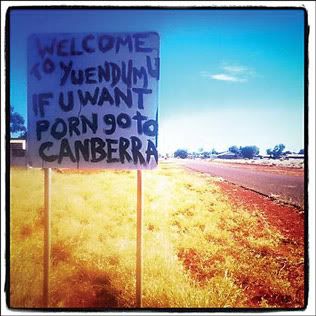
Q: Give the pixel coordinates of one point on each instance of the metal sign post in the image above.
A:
(47, 235)
(139, 249)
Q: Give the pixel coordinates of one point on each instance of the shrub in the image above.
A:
(181, 153)
(277, 151)
(249, 151)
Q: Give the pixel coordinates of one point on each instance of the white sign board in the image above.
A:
(92, 100)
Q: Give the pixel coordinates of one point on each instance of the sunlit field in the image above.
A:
(199, 251)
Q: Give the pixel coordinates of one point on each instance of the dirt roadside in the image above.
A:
(289, 221)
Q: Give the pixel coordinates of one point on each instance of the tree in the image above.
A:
(181, 153)
(206, 154)
(301, 152)
(249, 151)
(214, 152)
(277, 151)
(234, 149)
(16, 123)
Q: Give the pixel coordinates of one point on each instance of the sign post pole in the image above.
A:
(139, 249)
(47, 237)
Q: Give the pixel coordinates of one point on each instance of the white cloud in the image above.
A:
(233, 73)
(226, 77)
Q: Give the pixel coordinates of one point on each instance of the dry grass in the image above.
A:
(198, 250)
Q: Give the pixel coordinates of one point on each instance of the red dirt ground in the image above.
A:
(290, 222)
(287, 219)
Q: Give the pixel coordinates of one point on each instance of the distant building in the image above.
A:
(227, 155)
(17, 144)
(294, 156)
(17, 152)
(263, 156)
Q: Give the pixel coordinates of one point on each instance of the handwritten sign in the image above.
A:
(92, 100)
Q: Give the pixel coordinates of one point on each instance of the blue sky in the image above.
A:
(228, 77)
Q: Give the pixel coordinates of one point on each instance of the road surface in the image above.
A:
(283, 187)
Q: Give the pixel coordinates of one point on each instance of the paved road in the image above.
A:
(284, 187)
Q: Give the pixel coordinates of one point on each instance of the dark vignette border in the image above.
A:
(7, 156)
